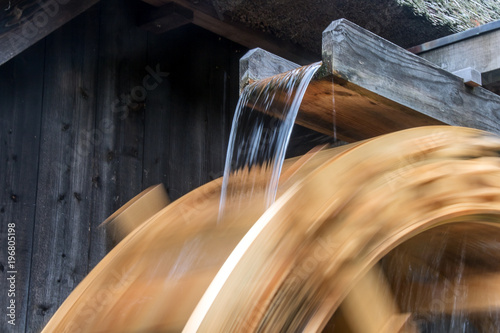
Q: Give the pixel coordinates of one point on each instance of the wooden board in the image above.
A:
(24, 22)
(119, 126)
(168, 106)
(20, 124)
(134, 213)
(478, 51)
(198, 99)
(64, 196)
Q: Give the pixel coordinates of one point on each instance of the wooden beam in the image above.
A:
(208, 17)
(23, 23)
(359, 114)
(374, 65)
(258, 64)
(164, 18)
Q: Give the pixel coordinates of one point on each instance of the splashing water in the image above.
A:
(260, 133)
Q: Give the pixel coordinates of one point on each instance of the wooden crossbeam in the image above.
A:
(23, 23)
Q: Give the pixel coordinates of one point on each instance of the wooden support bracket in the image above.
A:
(369, 86)
(164, 18)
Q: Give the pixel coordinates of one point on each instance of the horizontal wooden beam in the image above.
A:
(376, 66)
(164, 18)
(208, 17)
(334, 106)
(23, 23)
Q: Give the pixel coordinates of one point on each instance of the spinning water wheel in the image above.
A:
(392, 234)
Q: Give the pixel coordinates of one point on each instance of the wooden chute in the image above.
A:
(339, 213)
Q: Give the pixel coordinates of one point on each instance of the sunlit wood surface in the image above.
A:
(402, 219)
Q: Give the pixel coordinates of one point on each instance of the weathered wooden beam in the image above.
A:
(23, 23)
(356, 114)
(377, 66)
(164, 18)
(208, 17)
(258, 64)
(368, 86)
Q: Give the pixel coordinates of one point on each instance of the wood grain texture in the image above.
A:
(21, 88)
(258, 64)
(121, 53)
(379, 67)
(479, 52)
(198, 99)
(339, 108)
(64, 196)
(24, 22)
(119, 126)
(369, 86)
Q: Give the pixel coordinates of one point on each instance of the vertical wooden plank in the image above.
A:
(21, 84)
(158, 112)
(187, 127)
(64, 205)
(188, 116)
(222, 98)
(122, 90)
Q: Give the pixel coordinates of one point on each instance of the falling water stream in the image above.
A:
(260, 133)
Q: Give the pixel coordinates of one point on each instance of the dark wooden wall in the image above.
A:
(83, 129)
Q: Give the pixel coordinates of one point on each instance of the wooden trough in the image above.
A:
(395, 233)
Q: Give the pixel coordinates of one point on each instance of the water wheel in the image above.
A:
(400, 233)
